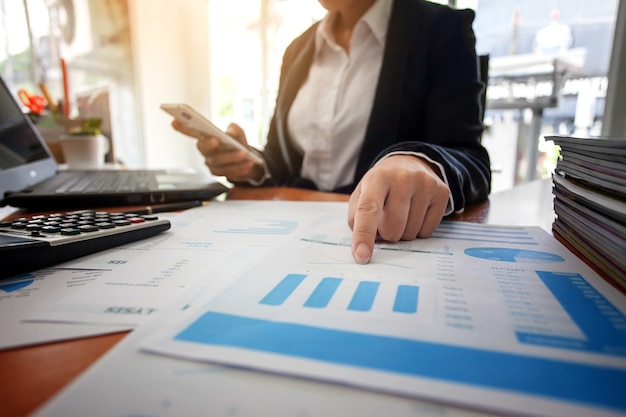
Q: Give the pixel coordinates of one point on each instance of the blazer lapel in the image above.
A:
(383, 122)
(297, 72)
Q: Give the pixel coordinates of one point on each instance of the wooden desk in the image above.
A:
(32, 375)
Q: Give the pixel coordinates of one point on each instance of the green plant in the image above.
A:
(90, 126)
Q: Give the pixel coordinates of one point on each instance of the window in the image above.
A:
(248, 39)
(93, 37)
(18, 63)
(548, 75)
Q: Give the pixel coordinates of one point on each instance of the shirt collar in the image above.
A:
(376, 18)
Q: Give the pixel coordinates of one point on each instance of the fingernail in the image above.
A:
(362, 254)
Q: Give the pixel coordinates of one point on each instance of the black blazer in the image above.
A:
(427, 100)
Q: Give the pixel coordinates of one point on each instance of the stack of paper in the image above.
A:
(590, 201)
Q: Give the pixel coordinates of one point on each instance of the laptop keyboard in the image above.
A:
(101, 181)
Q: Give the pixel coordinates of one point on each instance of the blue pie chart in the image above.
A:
(513, 255)
(17, 283)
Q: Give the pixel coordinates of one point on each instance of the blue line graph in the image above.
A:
(386, 246)
(264, 227)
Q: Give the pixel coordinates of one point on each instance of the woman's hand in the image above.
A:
(399, 198)
(232, 164)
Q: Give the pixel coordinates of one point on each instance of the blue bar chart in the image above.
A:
(603, 325)
(474, 310)
(414, 358)
(363, 298)
(455, 231)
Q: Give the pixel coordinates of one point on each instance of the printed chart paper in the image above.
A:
(144, 275)
(22, 294)
(153, 385)
(475, 312)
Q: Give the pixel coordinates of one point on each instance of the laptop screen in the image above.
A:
(24, 158)
(18, 143)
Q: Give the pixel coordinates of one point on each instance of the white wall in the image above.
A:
(170, 44)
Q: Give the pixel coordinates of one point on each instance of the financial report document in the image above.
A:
(494, 318)
(137, 279)
(22, 295)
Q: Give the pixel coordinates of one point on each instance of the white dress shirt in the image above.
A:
(330, 113)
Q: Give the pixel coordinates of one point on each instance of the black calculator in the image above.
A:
(38, 241)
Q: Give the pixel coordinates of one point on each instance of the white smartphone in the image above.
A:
(193, 120)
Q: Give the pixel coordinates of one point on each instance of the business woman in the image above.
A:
(380, 99)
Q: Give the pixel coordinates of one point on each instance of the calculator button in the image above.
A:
(58, 238)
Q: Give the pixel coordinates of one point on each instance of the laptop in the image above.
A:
(30, 176)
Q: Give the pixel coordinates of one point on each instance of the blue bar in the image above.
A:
(406, 299)
(323, 293)
(364, 296)
(283, 290)
(588, 384)
(603, 325)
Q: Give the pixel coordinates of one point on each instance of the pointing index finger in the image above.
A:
(367, 213)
